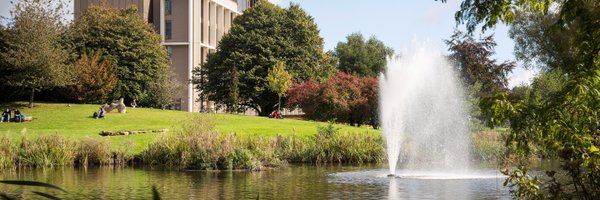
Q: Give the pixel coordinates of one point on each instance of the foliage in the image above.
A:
(475, 65)
(360, 57)
(126, 41)
(95, 79)
(32, 55)
(489, 13)
(279, 81)
(563, 126)
(264, 35)
(166, 90)
(343, 97)
(199, 147)
(542, 43)
(7, 153)
(32, 184)
(92, 151)
(46, 151)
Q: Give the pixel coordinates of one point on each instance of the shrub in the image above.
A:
(7, 153)
(96, 78)
(344, 97)
(46, 151)
(92, 151)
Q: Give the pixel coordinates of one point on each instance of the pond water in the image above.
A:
(295, 182)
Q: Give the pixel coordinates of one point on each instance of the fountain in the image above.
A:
(425, 125)
(423, 115)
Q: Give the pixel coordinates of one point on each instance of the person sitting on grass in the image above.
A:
(100, 113)
(18, 117)
(6, 116)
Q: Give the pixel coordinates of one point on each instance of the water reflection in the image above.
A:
(300, 182)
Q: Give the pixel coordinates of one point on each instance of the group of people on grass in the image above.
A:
(7, 116)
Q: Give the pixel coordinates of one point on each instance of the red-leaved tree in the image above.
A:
(343, 97)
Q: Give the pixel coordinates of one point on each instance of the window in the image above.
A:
(168, 7)
(168, 30)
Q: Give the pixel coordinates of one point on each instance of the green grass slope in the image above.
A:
(76, 122)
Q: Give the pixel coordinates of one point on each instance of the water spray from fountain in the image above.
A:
(423, 113)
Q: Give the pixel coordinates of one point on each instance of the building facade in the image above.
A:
(191, 29)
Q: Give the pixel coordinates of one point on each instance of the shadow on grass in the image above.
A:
(13, 105)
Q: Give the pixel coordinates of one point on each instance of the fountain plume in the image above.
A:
(423, 115)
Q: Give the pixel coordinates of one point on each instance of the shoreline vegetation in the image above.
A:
(199, 144)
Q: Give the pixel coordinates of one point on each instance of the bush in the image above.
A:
(93, 151)
(46, 151)
(344, 97)
(7, 153)
(198, 146)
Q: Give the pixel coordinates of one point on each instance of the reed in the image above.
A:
(46, 151)
(7, 153)
(93, 152)
(198, 146)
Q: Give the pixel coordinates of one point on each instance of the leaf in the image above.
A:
(5, 196)
(155, 193)
(32, 183)
(46, 195)
(594, 149)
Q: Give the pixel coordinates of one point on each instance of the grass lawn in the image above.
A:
(76, 122)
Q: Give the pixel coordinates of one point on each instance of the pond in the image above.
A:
(295, 182)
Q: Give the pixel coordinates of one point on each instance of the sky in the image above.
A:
(395, 22)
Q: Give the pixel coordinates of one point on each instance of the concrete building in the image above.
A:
(191, 30)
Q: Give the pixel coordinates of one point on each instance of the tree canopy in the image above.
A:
(564, 125)
(362, 58)
(473, 60)
(127, 41)
(32, 54)
(264, 35)
(279, 81)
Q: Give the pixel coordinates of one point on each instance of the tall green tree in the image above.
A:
(33, 55)
(473, 60)
(542, 43)
(563, 126)
(127, 41)
(265, 34)
(362, 57)
(279, 81)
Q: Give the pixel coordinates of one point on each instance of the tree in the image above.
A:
(33, 55)
(541, 43)
(127, 41)
(265, 34)
(167, 91)
(563, 126)
(473, 61)
(360, 57)
(279, 81)
(343, 98)
(95, 79)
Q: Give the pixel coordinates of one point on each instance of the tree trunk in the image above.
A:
(279, 104)
(31, 98)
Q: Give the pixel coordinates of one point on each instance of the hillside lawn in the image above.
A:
(75, 122)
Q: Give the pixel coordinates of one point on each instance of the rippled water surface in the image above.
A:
(296, 182)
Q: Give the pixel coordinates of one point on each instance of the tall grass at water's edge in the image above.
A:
(198, 146)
